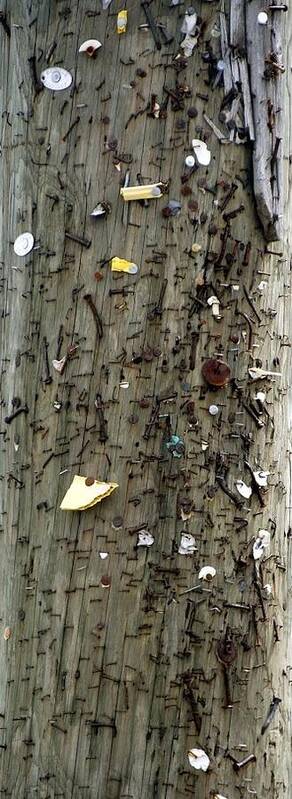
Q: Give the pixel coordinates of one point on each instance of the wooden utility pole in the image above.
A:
(118, 655)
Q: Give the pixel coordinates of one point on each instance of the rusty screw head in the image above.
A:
(89, 481)
(192, 112)
(133, 418)
(216, 373)
(148, 355)
(226, 651)
(186, 191)
(144, 403)
(193, 205)
(117, 522)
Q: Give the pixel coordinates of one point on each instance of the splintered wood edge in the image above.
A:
(267, 180)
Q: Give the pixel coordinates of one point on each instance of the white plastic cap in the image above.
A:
(262, 18)
(190, 161)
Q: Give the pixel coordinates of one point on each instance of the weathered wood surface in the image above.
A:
(95, 683)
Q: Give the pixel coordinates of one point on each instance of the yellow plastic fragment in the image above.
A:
(121, 265)
(122, 21)
(150, 191)
(81, 496)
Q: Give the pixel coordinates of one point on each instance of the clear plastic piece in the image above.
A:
(121, 265)
(122, 21)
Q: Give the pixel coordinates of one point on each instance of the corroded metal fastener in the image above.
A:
(151, 23)
(216, 373)
(237, 765)
(97, 318)
(226, 654)
(17, 412)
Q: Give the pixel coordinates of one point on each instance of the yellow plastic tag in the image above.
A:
(150, 191)
(122, 21)
(121, 265)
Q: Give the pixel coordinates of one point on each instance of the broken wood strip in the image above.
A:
(222, 138)
(225, 50)
(237, 26)
(265, 94)
(247, 101)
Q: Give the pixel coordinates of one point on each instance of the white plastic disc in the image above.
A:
(207, 573)
(23, 244)
(133, 269)
(56, 78)
(90, 46)
(213, 410)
